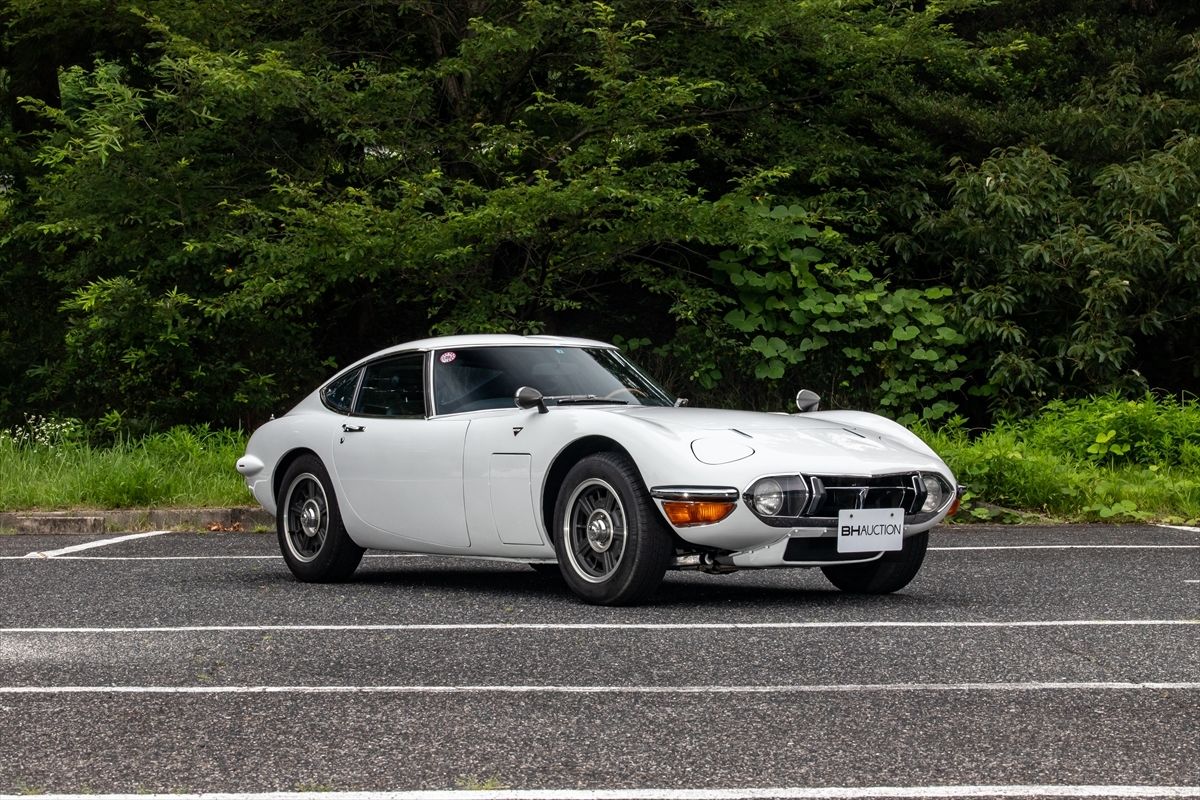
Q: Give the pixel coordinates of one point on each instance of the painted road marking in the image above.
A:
(75, 548)
(1189, 528)
(832, 688)
(523, 561)
(210, 558)
(715, 793)
(592, 626)
(1073, 547)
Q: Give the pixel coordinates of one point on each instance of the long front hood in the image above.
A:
(814, 443)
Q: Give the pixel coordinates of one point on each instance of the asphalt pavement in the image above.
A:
(1021, 662)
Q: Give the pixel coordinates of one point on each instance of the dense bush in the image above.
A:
(1098, 458)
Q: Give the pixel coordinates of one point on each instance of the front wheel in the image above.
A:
(612, 545)
(887, 574)
(312, 538)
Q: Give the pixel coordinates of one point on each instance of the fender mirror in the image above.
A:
(807, 400)
(528, 397)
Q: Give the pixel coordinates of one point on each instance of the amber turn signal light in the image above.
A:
(696, 512)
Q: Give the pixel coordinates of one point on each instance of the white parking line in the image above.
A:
(75, 548)
(56, 553)
(275, 557)
(716, 793)
(833, 688)
(1073, 547)
(600, 626)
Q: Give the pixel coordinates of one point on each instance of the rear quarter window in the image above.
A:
(339, 395)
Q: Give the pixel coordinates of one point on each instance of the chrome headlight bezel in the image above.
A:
(938, 493)
(775, 496)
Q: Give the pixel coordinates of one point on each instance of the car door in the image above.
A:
(400, 473)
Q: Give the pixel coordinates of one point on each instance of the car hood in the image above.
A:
(823, 442)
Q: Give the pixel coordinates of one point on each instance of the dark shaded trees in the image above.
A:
(894, 203)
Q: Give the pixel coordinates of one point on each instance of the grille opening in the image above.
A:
(831, 494)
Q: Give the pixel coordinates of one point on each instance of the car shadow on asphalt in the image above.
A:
(676, 590)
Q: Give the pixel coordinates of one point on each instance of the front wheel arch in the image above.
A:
(613, 546)
(567, 458)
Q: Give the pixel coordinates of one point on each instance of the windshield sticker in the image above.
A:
(448, 356)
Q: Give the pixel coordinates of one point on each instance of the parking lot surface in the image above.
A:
(1020, 662)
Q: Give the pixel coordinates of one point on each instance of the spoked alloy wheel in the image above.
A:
(312, 538)
(613, 545)
(596, 530)
(306, 517)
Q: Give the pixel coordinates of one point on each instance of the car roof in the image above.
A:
(484, 340)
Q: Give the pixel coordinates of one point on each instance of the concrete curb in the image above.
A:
(136, 520)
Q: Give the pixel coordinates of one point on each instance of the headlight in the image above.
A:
(937, 492)
(767, 497)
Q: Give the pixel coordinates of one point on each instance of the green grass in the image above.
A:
(49, 466)
(1105, 458)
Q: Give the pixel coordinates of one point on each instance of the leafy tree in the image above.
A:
(212, 201)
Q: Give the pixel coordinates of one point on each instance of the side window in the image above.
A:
(394, 387)
(340, 394)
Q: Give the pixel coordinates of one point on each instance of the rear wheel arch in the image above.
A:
(282, 466)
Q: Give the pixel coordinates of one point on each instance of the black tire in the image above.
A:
(312, 538)
(612, 545)
(889, 573)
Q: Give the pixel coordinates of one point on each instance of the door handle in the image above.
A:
(353, 428)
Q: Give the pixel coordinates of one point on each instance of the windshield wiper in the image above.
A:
(578, 399)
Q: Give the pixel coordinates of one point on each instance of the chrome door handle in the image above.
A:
(353, 428)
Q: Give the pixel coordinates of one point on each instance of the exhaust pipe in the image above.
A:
(703, 562)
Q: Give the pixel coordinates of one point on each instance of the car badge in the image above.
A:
(517, 430)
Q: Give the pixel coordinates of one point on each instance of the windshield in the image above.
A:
(470, 379)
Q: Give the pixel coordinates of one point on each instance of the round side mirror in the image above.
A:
(528, 397)
(807, 400)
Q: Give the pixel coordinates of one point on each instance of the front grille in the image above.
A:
(834, 493)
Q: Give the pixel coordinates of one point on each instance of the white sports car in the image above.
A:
(549, 450)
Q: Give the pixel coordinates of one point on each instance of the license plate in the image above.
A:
(869, 530)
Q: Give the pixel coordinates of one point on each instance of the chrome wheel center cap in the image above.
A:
(600, 531)
(310, 518)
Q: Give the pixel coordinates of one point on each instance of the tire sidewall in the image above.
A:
(338, 555)
(889, 573)
(647, 545)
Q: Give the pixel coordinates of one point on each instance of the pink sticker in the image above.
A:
(447, 357)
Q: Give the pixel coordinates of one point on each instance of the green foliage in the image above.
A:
(51, 465)
(1073, 252)
(1152, 431)
(892, 346)
(1094, 459)
(204, 204)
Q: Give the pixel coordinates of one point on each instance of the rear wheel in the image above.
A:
(312, 538)
(612, 545)
(889, 573)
